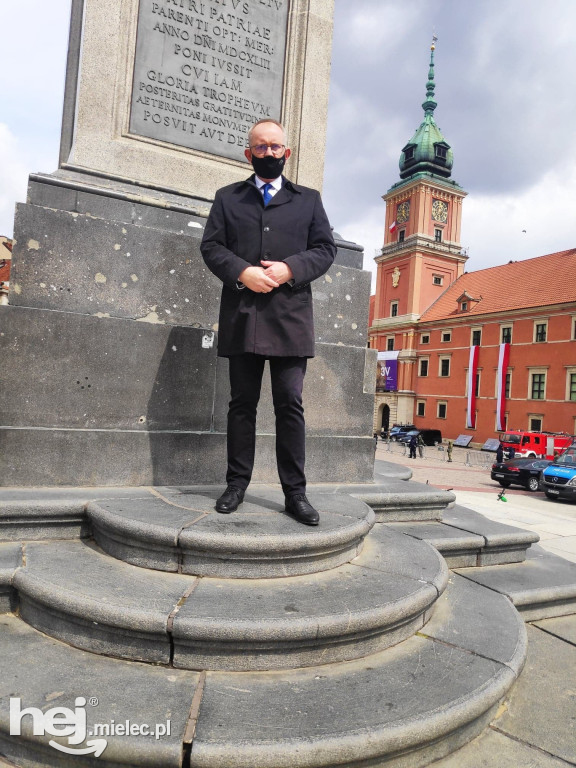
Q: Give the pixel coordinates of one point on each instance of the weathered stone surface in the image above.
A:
(472, 617)
(389, 704)
(92, 265)
(348, 612)
(45, 673)
(258, 541)
(10, 559)
(495, 750)
(106, 373)
(563, 627)
(541, 707)
(341, 308)
(460, 549)
(125, 457)
(32, 519)
(348, 254)
(409, 557)
(99, 604)
(544, 586)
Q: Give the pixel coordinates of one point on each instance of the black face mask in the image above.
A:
(268, 167)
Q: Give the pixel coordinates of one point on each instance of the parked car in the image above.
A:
(430, 436)
(524, 472)
(559, 478)
(398, 430)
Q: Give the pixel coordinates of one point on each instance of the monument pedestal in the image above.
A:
(109, 348)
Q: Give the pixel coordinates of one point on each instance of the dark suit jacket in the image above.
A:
(240, 232)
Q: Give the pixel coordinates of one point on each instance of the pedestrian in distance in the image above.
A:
(421, 446)
(500, 453)
(267, 239)
(449, 449)
(412, 445)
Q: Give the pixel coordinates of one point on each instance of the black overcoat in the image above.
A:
(240, 232)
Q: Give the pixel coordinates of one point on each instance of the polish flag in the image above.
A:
(472, 370)
(392, 227)
(503, 362)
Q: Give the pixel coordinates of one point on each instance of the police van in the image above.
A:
(558, 480)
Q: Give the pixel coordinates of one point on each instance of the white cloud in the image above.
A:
(13, 178)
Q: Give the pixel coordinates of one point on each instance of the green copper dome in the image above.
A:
(427, 151)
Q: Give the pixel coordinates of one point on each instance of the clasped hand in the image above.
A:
(272, 274)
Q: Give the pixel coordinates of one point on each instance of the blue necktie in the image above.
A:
(266, 193)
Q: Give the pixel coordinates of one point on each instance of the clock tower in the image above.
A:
(421, 255)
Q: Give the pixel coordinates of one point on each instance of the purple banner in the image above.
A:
(387, 372)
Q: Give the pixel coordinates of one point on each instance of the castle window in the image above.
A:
(444, 366)
(441, 152)
(390, 343)
(476, 337)
(507, 334)
(438, 235)
(394, 309)
(421, 408)
(437, 279)
(401, 235)
(409, 153)
(425, 338)
(464, 306)
(540, 331)
(446, 336)
(538, 386)
(423, 366)
(442, 408)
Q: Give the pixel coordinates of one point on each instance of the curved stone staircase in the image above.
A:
(263, 643)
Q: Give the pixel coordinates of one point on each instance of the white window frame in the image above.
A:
(536, 324)
(427, 361)
(392, 305)
(570, 371)
(423, 404)
(502, 327)
(449, 339)
(533, 372)
(445, 404)
(440, 359)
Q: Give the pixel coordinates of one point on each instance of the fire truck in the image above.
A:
(544, 445)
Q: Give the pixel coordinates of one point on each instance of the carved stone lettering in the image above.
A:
(206, 70)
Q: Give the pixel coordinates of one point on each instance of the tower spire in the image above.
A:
(427, 151)
(430, 105)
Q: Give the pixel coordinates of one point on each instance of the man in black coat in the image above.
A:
(267, 239)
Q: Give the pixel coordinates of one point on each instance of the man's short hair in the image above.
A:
(266, 120)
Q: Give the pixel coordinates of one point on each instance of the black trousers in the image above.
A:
(287, 376)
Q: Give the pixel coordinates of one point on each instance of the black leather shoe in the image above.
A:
(230, 500)
(300, 508)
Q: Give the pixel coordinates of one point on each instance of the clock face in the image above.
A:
(439, 210)
(403, 212)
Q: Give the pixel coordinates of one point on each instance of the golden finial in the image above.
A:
(433, 46)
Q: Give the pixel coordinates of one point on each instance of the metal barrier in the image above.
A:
(478, 459)
(469, 458)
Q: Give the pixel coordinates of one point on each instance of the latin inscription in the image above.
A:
(206, 70)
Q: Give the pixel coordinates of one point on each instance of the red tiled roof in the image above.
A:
(535, 282)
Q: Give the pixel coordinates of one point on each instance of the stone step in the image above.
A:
(182, 533)
(467, 539)
(395, 500)
(401, 707)
(10, 559)
(542, 587)
(75, 593)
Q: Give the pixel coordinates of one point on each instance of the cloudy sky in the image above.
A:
(505, 85)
